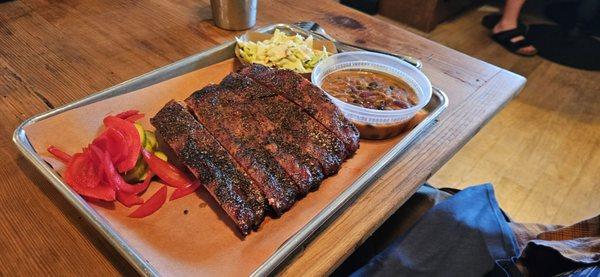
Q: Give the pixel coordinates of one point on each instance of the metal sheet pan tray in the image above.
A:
(192, 236)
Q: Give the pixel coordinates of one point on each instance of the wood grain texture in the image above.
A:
(423, 15)
(54, 52)
(542, 152)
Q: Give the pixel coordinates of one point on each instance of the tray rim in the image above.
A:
(175, 69)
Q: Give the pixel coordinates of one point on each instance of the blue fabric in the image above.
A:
(591, 271)
(465, 235)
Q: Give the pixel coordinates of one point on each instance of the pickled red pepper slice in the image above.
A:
(135, 117)
(152, 204)
(131, 115)
(59, 154)
(126, 114)
(181, 192)
(129, 200)
(170, 174)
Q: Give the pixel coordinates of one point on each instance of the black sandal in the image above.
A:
(504, 38)
(490, 20)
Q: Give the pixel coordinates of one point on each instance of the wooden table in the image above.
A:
(55, 52)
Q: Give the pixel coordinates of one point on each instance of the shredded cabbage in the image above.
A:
(283, 51)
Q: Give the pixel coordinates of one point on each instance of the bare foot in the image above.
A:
(502, 26)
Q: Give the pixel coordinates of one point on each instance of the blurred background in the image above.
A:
(542, 151)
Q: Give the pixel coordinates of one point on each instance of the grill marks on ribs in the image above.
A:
(233, 126)
(313, 101)
(209, 162)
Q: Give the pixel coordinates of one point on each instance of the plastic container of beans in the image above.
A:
(376, 123)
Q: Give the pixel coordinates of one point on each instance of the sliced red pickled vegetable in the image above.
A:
(101, 192)
(131, 136)
(94, 173)
(113, 178)
(59, 154)
(129, 199)
(81, 171)
(101, 141)
(116, 145)
(86, 179)
(135, 117)
(181, 192)
(152, 204)
(126, 114)
(170, 174)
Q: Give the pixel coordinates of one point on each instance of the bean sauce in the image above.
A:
(369, 89)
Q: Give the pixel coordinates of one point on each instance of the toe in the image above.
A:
(527, 50)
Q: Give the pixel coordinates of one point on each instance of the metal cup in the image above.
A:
(234, 14)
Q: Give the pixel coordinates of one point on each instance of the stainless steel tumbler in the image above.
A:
(234, 14)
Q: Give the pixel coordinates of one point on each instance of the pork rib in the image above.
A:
(233, 126)
(310, 98)
(293, 123)
(297, 161)
(211, 164)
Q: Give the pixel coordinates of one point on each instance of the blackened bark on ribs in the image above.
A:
(296, 161)
(292, 122)
(234, 127)
(211, 164)
(303, 168)
(312, 100)
(302, 130)
(261, 137)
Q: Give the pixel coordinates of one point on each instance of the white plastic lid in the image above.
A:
(375, 62)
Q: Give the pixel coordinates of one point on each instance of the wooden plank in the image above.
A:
(53, 52)
(41, 232)
(541, 152)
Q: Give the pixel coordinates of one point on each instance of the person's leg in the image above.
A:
(510, 16)
(396, 225)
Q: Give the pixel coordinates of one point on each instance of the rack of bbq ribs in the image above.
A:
(258, 141)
